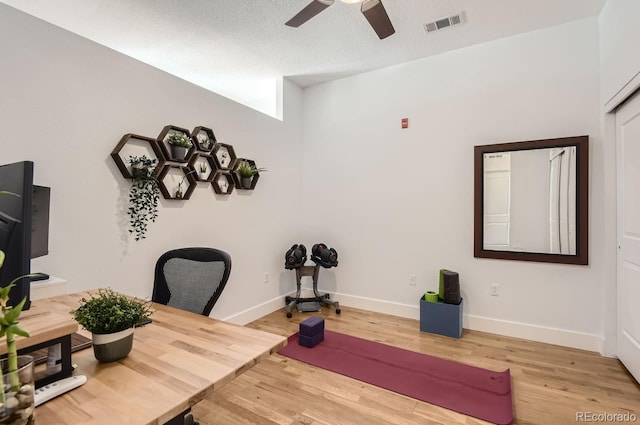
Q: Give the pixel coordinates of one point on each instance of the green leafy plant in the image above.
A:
(9, 328)
(205, 142)
(143, 195)
(179, 139)
(109, 312)
(203, 167)
(246, 170)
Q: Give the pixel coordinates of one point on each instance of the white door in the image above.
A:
(628, 153)
(497, 201)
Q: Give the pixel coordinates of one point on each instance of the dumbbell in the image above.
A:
(326, 257)
(295, 257)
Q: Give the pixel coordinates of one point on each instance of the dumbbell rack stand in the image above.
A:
(310, 303)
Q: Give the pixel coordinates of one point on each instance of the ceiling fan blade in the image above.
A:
(312, 9)
(377, 16)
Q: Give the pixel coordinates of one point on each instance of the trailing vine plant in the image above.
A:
(143, 195)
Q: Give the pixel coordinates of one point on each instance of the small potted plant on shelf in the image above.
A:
(111, 319)
(223, 157)
(179, 192)
(203, 171)
(245, 171)
(17, 375)
(180, 143)
(143, 195)
(205, 142)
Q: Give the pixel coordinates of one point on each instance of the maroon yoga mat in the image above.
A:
(466, 389)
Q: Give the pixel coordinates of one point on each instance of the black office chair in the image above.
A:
(191, 279)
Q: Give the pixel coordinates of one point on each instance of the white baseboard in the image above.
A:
(544, 334)
(379, 306)
(254, 313)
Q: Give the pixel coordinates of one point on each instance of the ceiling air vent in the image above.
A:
(443, 23)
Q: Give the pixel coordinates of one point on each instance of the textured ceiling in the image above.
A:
(241, 48)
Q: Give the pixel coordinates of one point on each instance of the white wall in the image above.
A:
(407, 211)
(65, 102)
(396, 202)
(619, 40)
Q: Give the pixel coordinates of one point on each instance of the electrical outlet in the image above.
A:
(266, 277)
(412, 280)
(495, 289)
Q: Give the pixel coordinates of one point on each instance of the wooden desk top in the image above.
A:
(176, 361)
(42, 325)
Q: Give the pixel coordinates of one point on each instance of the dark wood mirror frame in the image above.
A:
(582, 199)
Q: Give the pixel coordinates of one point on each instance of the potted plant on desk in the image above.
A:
(111, 318)
(17, 392)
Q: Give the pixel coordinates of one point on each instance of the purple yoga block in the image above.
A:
(311, 341)
(312, 326)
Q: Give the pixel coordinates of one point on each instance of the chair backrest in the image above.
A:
(191, 279)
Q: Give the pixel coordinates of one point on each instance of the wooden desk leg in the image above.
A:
(181, 419)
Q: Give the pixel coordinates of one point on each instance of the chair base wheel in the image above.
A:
(289, 315)
(337, 311)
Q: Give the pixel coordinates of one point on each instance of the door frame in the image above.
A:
(610, 275)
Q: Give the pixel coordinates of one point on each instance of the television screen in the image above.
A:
(40, 221)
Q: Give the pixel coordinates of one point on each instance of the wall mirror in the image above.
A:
(531, 200)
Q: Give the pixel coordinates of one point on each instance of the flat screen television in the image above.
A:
(24, 226)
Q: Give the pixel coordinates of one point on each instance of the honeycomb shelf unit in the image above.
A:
(238, 180)
(204, 138)
(145, 143)
(166, 148)
(223, 183)
(220, 159)
(187, 177)
(197, 159)
(225, 156)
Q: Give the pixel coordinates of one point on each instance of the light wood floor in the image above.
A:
(549, 383)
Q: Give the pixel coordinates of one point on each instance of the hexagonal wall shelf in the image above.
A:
(238, 180)
(166, 148)
(183, 175)
(197, 160)
(223, 183)
(224, 155)
(204, 138)
(134, 145)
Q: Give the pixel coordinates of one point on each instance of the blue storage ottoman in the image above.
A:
(311, 332)
(440, 318)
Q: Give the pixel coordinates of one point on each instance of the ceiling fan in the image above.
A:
(373, 11)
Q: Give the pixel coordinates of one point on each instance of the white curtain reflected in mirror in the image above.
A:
(529, 201)
(562, 201)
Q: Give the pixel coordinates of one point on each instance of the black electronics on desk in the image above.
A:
(24, 226)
